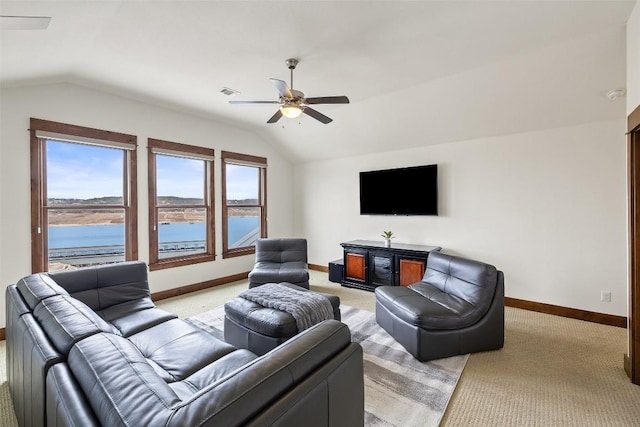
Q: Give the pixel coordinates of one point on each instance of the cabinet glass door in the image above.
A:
(380, 269)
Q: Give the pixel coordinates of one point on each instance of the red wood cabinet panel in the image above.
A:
(355, 266)
(411, 271)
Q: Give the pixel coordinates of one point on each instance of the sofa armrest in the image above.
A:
(29, 357)
(244, 394)
(66, 403)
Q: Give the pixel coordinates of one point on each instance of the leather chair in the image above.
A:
(457, 308)
(280, 260)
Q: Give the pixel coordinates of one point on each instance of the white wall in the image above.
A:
(633, 59)
(82, 106)
(548, 208)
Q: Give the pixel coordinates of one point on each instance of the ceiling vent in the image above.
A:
(614, 94)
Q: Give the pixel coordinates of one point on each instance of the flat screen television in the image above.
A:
(404, 191)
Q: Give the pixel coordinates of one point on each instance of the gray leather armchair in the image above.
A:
(457, 308)
(280, 260)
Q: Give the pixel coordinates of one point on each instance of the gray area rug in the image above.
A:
(399, 390)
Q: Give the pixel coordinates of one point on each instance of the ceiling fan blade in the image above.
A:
(254, 102)
(317, 115)
(24, 22)
(327, 100)
(282, 87)
(275, 117)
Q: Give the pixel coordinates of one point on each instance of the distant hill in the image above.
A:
(164, 200)
(116, 200)
(174, 200)
(112, 200)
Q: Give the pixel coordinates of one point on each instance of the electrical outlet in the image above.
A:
(605, 296)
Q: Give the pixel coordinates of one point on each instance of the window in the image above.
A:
(83, 196)
(244, 203)
(181, 228)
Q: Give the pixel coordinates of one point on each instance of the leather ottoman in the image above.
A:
(260, 329)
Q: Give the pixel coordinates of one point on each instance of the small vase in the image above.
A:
(387, 243)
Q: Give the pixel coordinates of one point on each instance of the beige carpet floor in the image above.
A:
(552, 371)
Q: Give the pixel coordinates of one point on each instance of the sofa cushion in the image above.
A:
(212, 373)
(247, 392)
(67, 321)
(121, 387)
(134, 316)
(103, 286)
(428, 309)
(269, 272)
(36, 287)
(179, 349)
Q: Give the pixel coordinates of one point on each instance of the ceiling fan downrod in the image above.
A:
(291, 63)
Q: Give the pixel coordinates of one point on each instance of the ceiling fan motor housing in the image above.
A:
(297, 95)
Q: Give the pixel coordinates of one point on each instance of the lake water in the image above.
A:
(113, 234)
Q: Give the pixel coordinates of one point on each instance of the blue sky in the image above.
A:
(178, 176)
(242, 182)
(84, 171)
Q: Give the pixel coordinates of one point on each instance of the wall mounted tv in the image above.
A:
(404, 191)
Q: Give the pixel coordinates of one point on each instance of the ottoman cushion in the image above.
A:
(266, 321)
(257, 328)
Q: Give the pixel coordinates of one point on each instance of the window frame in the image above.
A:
(39, 203)
(157, 146)
(228, 157)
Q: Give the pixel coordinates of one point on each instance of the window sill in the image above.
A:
(180, 262)
(239, 252)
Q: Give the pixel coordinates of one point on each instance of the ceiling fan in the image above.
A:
(293, 103)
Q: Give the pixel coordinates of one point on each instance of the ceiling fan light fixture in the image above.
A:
(291, 111)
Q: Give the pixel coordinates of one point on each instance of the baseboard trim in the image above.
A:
(557, 310)
(170, 293)
(627, 365)
(573, 313)
(318, 267)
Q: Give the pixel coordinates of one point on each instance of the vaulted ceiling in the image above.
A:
(416, 72)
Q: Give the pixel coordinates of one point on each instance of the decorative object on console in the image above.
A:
(293, 103)
(388, 235)
(457, 308)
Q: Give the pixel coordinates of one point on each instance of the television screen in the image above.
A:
(404, 191)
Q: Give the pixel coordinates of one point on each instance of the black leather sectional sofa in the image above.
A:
(88, 347)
